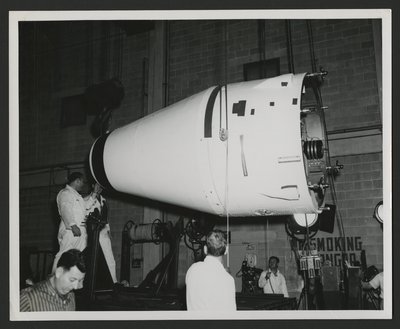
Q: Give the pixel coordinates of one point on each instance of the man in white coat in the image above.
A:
(73, 210)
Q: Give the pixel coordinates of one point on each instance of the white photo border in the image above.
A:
(19, 16)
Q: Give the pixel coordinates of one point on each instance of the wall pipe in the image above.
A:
(289, 45)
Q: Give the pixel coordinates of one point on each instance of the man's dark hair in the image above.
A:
(71, 258)
(74, 176)
(216, 243)
(273, 257)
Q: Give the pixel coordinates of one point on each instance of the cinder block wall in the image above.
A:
(346, 50)
(198, 58)
(359, 190)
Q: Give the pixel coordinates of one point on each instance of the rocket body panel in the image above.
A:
(181, 154)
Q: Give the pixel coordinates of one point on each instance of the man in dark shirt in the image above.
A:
(56, 293)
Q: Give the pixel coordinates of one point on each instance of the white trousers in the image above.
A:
(68, 241)
(105, 244)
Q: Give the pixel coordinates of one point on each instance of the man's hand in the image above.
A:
(76, 231)
(97, 189)
(366, 285)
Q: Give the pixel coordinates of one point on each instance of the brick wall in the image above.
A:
(38, 218)
(359, 189)
(61, 68)
(197, 61)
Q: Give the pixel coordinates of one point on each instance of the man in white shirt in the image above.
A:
(272, 281)
(73, 210)
(375, 283)
(209, 287)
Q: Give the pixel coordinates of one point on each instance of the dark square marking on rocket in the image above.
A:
(294, 101)
(284, 84)
(252, 111)
(239, 108)
(271, 103)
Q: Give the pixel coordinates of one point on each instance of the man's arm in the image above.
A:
(92, 200)
(262, 281)
(366, 285)
(375, 282)
(232, 297)
(66, 203)
(91, 203)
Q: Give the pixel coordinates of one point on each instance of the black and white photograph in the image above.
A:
(230, 164)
